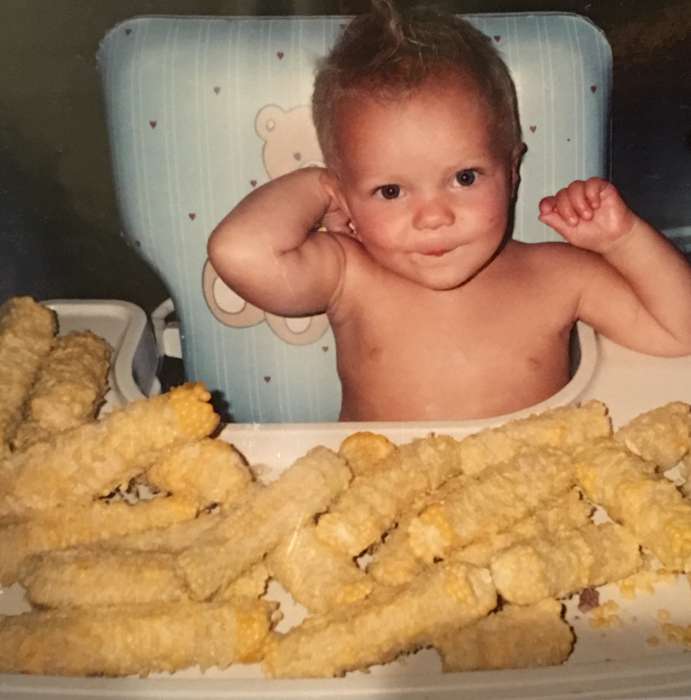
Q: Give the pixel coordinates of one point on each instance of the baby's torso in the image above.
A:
(497, 344)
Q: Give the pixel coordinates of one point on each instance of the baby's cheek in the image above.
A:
(380, 232)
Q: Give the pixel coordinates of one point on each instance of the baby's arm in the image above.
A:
(647, 305)
(266, 248)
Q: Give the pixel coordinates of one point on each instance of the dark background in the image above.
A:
(59, 229)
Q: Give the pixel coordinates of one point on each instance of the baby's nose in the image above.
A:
(432, 214)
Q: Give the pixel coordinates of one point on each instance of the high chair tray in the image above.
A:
(629, 659)
(124, 325)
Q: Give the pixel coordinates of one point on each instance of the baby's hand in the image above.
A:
(590, 214)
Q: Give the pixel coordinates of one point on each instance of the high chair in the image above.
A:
(200, 111)
(203, 109)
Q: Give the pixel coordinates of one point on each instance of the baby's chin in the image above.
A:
(438, 283)
(442, 279)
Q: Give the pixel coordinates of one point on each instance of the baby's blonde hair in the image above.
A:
(385, 54)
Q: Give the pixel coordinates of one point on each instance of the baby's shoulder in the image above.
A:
(548, 257)
(553, 267)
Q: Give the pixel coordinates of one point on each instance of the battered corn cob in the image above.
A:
(514, 637)
(130, 639)
(552, 567)
(562, 427)
(558, 517)
(384, 625)
(649, 505)
(246, 534)
(502, 495)
(395, 561)
(162, 538)
(318, 577)
(90, 460)
(251, 584)
(85, 577)
(373, 502)
(177, 537)
(27, 330)
(88, 576)
(662, 436)
(366, 452)
(70, 386)
(210, 471)
(67, 527)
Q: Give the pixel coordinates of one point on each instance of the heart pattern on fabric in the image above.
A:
(152, 123)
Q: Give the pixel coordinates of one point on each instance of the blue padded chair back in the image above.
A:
(203, 109)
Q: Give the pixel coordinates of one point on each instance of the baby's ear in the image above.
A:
(516, 159)
(334, 188)
(338, 216)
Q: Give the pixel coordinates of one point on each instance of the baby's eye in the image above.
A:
(390, 191)
(465, 178)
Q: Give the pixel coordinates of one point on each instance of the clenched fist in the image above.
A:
(589, 214)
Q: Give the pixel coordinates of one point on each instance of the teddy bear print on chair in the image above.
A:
(290, 142)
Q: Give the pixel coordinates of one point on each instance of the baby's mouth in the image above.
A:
(435, 253)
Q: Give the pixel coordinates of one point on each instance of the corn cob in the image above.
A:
(133, 639)
(374, 501)
(67, 527)
(562, 427)
(315, 575)
(251, 584)
(85, 577)
(558, 517)
(256, 526)
(647, 504)
(381, 627)
(395, 561)
(210, 471)
(70, 386)
(366, 452)
(515, 637)
(499, 497)
(90, 460)
(553, 567)
(662, 436)
(27, 330)
(171, 538)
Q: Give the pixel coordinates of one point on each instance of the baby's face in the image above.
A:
(427, 190)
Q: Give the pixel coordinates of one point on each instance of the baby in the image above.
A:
(436, 312)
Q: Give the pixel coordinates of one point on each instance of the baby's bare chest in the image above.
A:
(438, 324)
(495, 344)
(410, 361)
